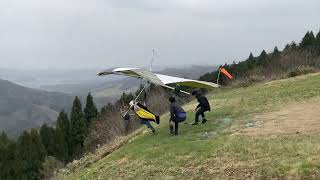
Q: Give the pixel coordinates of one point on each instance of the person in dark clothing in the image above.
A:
(202, 107)
(177, 115)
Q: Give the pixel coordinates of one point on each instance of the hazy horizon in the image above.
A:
(82, 34)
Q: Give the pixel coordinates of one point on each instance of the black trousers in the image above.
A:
(176, 125)
(201, 112)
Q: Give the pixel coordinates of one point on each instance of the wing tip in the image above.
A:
(104, 73)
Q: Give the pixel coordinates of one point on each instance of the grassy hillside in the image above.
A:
(22, 108)
(270, 130)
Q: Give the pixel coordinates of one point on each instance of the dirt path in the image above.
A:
(293, 119)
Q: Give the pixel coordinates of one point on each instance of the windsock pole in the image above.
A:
(218, 75)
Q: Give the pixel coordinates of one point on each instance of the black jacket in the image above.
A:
(203, 102)
(176, 111)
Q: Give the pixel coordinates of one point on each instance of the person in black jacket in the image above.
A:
(177, 114)
(202, 107)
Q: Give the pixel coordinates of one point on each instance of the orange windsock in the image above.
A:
(225, 72)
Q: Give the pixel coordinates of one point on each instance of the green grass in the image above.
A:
(213, 151)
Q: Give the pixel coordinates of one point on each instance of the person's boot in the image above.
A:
(204, 121)
(171, 130)
(157, 119)
(154, 132)
(195, 123)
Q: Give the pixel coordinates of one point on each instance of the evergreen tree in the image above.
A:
(90, 111)
(30, 155)
(62, 136)
(251, 56)
(77, 128)
(251, 61)
(7, 158)
(287, 47)
(126, 98)
(3, 154)
(263, 54)
(317, 42)
(47, 135)
(276, 52)
(263, 58)
(308, 41)
(294, 45)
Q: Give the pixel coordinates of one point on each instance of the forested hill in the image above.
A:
(295, 59)
(22, 108)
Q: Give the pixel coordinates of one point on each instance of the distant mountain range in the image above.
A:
(22, 108)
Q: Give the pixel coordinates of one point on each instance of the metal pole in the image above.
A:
(218, 75)
(152, 59)
(136, 98)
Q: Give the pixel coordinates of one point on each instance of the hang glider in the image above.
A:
(159, 79)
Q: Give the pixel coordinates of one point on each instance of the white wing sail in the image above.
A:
(159, 79)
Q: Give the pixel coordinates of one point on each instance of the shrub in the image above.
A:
(49, 167)
(300, 70)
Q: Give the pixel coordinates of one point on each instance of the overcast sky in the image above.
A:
(62, 34)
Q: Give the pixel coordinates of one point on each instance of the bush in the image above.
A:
(249, 81)
(49, 167)
(300, 70)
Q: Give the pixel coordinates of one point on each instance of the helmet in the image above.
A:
(172, 99)
(131, 103)
(195, 92)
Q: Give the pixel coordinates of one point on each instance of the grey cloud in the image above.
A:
(104, 33)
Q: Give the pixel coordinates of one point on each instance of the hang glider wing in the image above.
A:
(159, 79)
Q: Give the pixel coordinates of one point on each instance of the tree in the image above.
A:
(251, 61)
(262, 58)
(317, 43)
(308, 41)
(276, 52)
(8, 167)
(63, 137)
(30, 154)
(77, 128)
(126, 98)
(263, 54)
(90, 111)
(7, 157)
(48, 139)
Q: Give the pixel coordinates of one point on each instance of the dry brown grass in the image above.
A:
(292, 119)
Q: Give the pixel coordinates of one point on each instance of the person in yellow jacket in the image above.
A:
(145, 115)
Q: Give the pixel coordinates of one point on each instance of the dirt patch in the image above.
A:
(293, 119)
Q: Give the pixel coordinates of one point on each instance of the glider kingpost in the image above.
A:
(160, 79)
